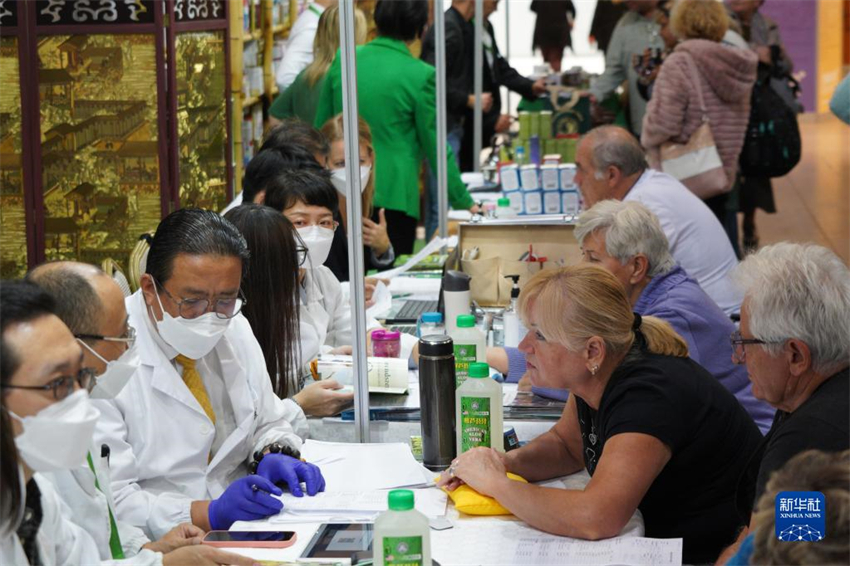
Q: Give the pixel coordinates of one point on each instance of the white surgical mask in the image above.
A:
(318, 241)
(338, 178)
(118, 372)
(192, 337)
(59, 436)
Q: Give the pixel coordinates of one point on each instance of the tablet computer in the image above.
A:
(340, 540)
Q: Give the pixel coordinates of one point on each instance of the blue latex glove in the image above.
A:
(241, 501)
(280, 468)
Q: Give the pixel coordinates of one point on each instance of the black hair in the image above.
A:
(77, 303)
(271, 291)
(192, 231)
(271, 161)
(295, 132)
(20, 301)
(404, 20)
(313, 188)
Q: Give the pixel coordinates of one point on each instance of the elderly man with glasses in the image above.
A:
(795, 341)
(199, 413)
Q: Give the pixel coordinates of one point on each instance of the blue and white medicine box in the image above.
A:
(509, 177)
(517, 203)
(567, 173)
(549, 178)
(570, 203)
(529, 178)
(551, 202)
(533, 201)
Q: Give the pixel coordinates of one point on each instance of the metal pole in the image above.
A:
(479, 84)
(351, 136)
(442, 136)
(508, 48)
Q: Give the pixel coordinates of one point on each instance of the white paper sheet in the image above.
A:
(429, 248)
(516, 543)
(431, 502)
(383, 301)
(364, 467)
(428, 287)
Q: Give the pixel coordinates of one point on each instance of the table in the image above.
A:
(483, 540)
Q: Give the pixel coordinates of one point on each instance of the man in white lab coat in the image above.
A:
(91, 305)
(200, 408)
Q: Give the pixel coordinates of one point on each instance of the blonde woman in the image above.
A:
(652, 428)
(379, 253)
(301, 97)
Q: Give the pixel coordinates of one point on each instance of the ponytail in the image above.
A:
(661, 339)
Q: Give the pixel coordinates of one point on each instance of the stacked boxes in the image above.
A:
(509, 177)
(532, 196)
(551, 182)
(570, 201)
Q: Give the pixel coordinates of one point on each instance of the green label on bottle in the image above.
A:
(474, 422)
(465, 354)
(403, 551)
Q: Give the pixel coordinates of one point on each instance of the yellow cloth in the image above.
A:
(193, 381)
(469, 501)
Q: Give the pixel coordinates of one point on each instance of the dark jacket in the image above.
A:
(500, 75)
(552, 29)
(459, 82)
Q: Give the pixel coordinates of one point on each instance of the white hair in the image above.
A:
(799, 291)
(630, 229)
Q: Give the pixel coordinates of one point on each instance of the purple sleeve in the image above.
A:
(550, 393)
(516, 365)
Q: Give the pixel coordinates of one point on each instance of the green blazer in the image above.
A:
(396, 95)
(298, 100)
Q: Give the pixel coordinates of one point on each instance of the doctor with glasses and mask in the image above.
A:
(47, 427)
(199, 413)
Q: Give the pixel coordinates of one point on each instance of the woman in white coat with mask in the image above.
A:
(200, 410)
(46, 423)
(308, 200)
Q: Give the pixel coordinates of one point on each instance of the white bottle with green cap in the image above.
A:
(402, 534)
(470, 346)
(503, 208)
(478, 410)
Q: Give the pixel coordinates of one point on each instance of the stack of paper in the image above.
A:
(349, 467)
(353, 505)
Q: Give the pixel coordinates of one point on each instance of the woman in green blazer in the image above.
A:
(396, 96)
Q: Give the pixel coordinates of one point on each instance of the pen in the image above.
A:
(255, 488)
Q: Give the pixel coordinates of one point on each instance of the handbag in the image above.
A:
(696, 163)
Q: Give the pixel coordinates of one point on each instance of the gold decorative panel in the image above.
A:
(100, 162)
(201, 119)
(13, 234)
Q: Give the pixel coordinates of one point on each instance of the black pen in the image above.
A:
(255, 488)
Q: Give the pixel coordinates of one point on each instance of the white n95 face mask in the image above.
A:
(318, 241)
(338, 178)
(118, 372)
(192, 337)
(59, 436)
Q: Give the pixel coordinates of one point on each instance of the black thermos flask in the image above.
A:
(437, 401)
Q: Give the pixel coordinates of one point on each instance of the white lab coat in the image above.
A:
(299, 48)
(324, 315)
(77, 490)
(161, 438)
(61, 542)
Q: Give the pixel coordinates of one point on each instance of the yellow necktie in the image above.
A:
(193, 381)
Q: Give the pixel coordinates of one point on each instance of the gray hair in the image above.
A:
(615, 146)
(77, 303)
(799, 291)
(630, 229)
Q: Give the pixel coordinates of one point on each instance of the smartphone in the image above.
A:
(250, 539)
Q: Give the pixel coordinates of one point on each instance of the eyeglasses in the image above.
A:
(63, 386)
(193, 308)
(302, 255)
(739, 352)
(328, 224)
(129, 337)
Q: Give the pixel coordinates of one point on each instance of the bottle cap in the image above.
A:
(400, 500)
(436, 345)
(479, 369)
(504, 202)
(380, 335)
(455, 281)
(465, 321)
(433, 317)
